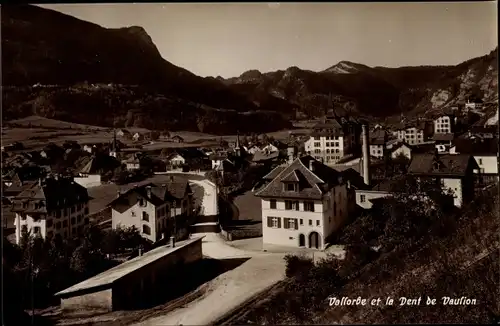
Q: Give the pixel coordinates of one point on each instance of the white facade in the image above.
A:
(88, 180)
(66, 222)
(305, 223)
(269, 148)
(132, 165)
(412, 135)
(329, 149)
(377, 150)
(364, 197)
(403, 149)
(488, 164)
(252, 150)
(455, 185)
(443, 125)
(177, 160)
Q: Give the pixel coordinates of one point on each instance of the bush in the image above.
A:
(297, 265)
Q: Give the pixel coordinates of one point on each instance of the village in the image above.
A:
(159, 214)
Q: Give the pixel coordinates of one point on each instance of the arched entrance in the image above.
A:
(302, 240)
(314, 240)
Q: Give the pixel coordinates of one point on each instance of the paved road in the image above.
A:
(229, 290)
(209, 201)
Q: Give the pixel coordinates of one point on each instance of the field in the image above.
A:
(35, 132)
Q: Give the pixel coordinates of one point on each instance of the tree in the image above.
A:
(154, 135)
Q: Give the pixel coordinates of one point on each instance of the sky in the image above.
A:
(227, 39)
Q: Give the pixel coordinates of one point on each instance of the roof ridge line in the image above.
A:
(257, 193)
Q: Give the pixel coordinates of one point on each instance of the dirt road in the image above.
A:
(230, 289)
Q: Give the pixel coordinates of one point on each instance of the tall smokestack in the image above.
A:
(366, 155)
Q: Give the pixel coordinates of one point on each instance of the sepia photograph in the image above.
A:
(250, 163)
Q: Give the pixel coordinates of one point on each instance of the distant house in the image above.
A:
(12, 147)
(189, 158)
(401, 149)
(89, 176)
(265, 157)
(151, 208)
(481, 132)
(123, 133)
(88, 148)
(137, 136)
(177, 139)
(217, 160)
(366, 195)
(473, 105)
(411, 133)
(269, 148)
(443, 142)
(132, 163)
(252, 149)
(485, 153)
(377, 147)
(454, 172)
(444, 123)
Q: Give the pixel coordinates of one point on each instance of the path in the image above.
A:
(209, 201)
(229, 290)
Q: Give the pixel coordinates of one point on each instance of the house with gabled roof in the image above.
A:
(453, 172)
(151, 208)
(51, 208)
(485, 153)
(303, 203)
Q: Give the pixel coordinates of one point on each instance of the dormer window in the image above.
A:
(291, 186)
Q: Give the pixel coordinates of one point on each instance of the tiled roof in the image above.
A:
(159, 193)
(263, 156)
(443, 137)
(377, 141)
(274, 173)
(477, 146)
(291, 177)
(314, 182)
(430, 164)
(399, 145)
(190, 153)
(62, 192)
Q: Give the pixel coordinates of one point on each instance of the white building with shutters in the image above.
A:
(303, 203)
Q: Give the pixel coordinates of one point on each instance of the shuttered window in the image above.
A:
(274, 222)
(291, 223)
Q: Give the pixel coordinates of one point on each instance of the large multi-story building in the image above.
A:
(303, 203)
(411, 134)
(151, 208)
(54, 207)
(444, 124)
(333, 138)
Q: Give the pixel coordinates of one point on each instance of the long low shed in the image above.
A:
(121, 287)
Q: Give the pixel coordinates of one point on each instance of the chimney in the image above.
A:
(118, 193)
(366, 155)
(148, 191)
(172, 242)
(311, 166)
(40, 182)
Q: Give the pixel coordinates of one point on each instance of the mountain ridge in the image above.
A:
(413, 89)
(119, 75)
(69, 52)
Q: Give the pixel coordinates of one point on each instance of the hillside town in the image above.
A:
(307, 190)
